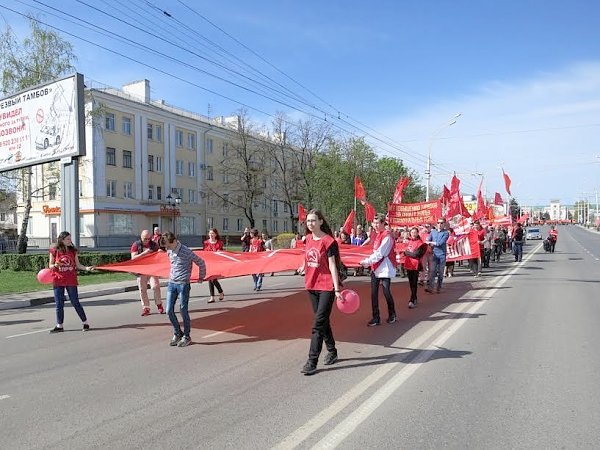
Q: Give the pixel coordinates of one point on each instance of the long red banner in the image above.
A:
(407, 214)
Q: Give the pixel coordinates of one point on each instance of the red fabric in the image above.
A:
(445, 195)
(400, 246)
(481, 209)
(257, 245)
(498, 199)
(369, 212)
(301, 213)
(413, 245)
(213, 247)
(359, 190)
(464, 246)
(378, 239)
(349, 222)
(554, 235)
(317, 274)
(402, 183)
(457, 206)
(66, 273)
(507, 182)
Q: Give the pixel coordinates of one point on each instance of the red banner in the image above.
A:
(407, 214)
(465, 246)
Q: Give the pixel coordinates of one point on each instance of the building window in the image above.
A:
(150, 131)
(158, 193)
(157, 133)
(210, 223)
(80, 188)
(275, 226)
(275, 207)
(126, 125)
(120, 224)
(150, 192)
(111, 188)
(225, 178)
(225, 224)
(192, 195)
(186, 225)
(265, 227)
(225, 149)
(150, 163)
(179, 138)
(285, 207)
(111, 156)
(52, 191)
(128, 189)
(191, 141)
(209, 146)
(286, 226)
(178, 167)
(192, 169)
(240, 224)
(209, 173)
(225, 202)
(159, 164)
(127, 159)
(110, 121)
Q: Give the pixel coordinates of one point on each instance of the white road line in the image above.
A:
(222, 332)
(4, 397)
(25, 334)
(348, 425)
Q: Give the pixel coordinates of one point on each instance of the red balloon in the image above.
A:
(349, 303)
(45, 276)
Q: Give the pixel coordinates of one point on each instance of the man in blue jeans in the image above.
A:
(437, 241)
(181, 258)
(517, 240)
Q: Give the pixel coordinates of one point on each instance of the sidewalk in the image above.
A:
(26, 299)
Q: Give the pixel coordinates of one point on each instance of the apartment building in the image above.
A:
(149, 164)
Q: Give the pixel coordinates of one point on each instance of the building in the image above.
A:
(149, 164)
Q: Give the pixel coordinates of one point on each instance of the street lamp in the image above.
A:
(435, 134)
(174, 203)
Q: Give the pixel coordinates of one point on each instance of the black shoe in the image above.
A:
(309, 368)
(175, 340)
(86, 327)
(57, 330)
(373, 322)
(391, 319)
(330, 358)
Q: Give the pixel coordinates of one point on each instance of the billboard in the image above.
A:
(41, 124)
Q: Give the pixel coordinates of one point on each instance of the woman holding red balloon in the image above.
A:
(321, 279)
(412, 263)
(65, 262)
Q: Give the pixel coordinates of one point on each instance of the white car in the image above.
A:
(533, 233)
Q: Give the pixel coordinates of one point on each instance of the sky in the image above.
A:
(480, 85)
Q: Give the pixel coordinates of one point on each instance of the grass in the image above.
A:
(12, 282)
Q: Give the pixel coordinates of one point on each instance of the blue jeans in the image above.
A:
(175, 290)
(258, 279)
(437, 268)
(59, 300)
(518, 250)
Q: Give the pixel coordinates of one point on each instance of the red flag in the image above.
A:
(498, 199)
(349, 223)
(457, 205)
(369, 212)
(301, 213)
(506, 182)
(454, 184)
(481, 209)
(359, 190)
(445, 195)
(402, 183)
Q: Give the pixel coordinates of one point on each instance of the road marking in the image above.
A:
(25, 334)
(348, 425)
(4, 397)
(222, 332)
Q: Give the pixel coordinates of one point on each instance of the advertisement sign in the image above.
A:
(406, 214)
(42, 124)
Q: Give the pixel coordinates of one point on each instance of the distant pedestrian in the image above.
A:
(553, 237)
(321, 262)
(181, 258)
(65, 262)
(438, 240)
(517, 242)
(142, 247)
(257, 245)
(214, 244)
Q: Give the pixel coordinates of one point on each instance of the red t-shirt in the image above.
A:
(213, 246)
(66, 274)
(317, 276)
(257, 245)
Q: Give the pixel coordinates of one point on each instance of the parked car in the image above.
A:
(533, 233)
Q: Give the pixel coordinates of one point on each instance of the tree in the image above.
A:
(514, 209)
(39, 58)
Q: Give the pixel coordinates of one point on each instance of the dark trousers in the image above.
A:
(59, 300)
(487, 254)
(212, 284)
(387, 293)
(413, 279)
(322, 302)
(552, 245)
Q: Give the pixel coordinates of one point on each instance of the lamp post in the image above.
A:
(435, 134)
(174, 203)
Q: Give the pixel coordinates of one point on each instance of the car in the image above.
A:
(533, 233)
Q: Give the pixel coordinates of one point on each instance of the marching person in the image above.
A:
(412, 262)
(214, 244)
(517, 242)
(256, 245)
(553, 237)
(382, 270)
(65, 262)
(321, 262)
(245, 239)
(181, 258)
(142, 247)
(437, 242)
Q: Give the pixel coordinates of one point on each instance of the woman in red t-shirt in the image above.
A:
(321, 262)
(214, 244)
(65, 262)
(257, 245)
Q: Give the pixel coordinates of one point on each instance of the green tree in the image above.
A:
(40, 57)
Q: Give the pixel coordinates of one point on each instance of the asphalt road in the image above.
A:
(508, 360)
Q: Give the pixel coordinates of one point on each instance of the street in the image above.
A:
(507, 360)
